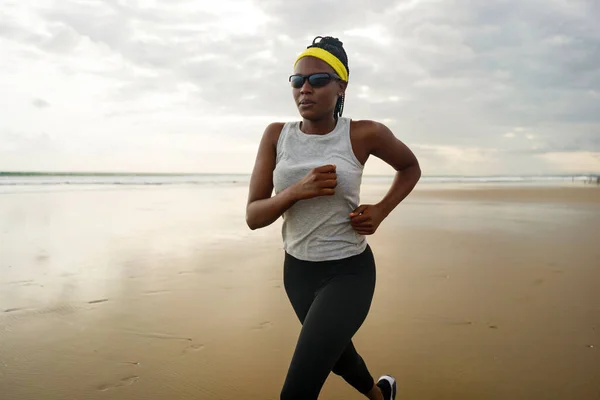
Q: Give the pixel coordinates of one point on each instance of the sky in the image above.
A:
(495, 87)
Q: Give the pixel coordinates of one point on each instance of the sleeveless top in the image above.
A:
(319, 229)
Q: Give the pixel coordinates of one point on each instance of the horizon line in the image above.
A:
(106, 173)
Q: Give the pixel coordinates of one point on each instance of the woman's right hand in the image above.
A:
(320, 181)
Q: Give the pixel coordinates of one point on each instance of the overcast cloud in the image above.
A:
(473, 87)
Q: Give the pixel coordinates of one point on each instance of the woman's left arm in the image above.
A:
(385, 146)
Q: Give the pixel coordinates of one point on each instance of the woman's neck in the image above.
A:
(320, 127)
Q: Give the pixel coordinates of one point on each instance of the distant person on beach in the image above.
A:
(315, 166)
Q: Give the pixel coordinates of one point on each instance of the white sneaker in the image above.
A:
(387, 384)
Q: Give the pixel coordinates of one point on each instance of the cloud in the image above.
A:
(574, 162)
(165, 76)
(40, 103)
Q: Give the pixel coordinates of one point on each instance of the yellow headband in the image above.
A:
(329, 58)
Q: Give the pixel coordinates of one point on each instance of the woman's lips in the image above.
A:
(306, 104)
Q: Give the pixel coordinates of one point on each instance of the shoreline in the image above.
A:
(512, 193)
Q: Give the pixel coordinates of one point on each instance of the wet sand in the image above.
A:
(162, 292)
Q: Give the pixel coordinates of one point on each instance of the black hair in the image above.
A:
(335, 47)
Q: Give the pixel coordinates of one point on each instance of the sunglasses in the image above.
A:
(319, 79)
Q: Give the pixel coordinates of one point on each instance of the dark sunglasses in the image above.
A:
(319, 79)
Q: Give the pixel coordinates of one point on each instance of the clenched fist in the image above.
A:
(366, 219)
(320, 181)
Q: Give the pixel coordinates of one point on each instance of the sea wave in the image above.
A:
(21, 179)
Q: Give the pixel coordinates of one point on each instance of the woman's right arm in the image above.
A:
(262, 209)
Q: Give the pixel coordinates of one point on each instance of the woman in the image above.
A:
(315, 166)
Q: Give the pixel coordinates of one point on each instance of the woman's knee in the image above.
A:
(347, 363)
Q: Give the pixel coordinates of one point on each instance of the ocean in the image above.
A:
(19, 181)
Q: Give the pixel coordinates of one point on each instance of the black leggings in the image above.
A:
(331, 299)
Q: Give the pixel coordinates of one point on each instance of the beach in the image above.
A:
(484, 291)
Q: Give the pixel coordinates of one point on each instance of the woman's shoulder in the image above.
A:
(366, 126)
(273, 131)
(368, 136)
(367, 130)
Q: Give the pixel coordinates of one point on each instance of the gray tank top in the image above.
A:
(319, 229)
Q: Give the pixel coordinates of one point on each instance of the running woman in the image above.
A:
(315, 167)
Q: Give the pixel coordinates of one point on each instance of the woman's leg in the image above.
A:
(331, 299)
(353, 369)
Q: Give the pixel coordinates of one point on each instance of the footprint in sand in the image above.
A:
(97, 301)
(128, 380)
(32, 284)
(193, 348)
(14, 309)
(460, 323)
(158, 335)
(42, 256)
(22, 283)
(538, 282)
(263, 325)
(154, 292)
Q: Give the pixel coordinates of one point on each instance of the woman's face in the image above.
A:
(317, 101)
